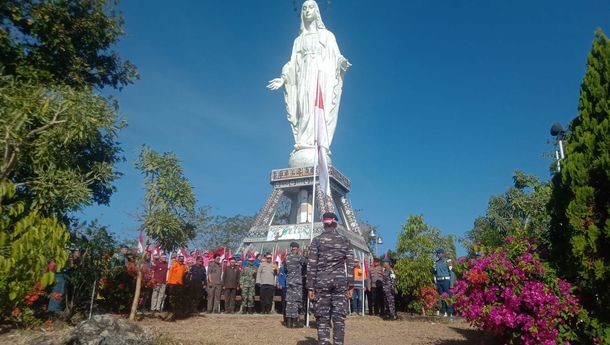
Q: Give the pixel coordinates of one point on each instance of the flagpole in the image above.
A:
(313, 195)
(363, 276)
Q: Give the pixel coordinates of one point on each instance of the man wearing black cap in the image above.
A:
(389, 288)
(442, 276)
(376, 305)
(265, 274)
(293, 265)
(330, 279)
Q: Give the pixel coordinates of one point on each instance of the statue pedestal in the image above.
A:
(287, 214)
(304, 158)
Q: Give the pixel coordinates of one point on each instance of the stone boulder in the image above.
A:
(102, 330)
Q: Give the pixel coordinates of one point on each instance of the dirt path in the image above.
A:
(360, 330)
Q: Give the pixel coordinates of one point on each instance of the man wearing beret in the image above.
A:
(293, 265)
(330, 280)
(246, 281)
(389, 289)
(442, 276)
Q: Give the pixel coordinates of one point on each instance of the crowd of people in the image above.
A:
(253, 284)
(326, 280)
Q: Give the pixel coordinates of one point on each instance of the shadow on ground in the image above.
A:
(308, 341)
(472, 337)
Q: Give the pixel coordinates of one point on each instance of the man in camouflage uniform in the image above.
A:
(389, 288)
(293, 265)
(247, 280)
(330, 279)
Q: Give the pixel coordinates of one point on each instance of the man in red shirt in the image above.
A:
(160, 277)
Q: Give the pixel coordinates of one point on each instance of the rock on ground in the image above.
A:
(100, 330)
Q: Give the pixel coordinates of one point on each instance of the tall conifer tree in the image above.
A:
(580, 205)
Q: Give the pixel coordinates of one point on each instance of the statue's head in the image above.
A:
(310, 12)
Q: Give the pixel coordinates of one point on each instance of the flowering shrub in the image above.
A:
(511, 293)
(32, 250)
(116, 289)
(428, 296)
(116, 286)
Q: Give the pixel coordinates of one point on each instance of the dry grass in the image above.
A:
(360, 330)
(268, 330)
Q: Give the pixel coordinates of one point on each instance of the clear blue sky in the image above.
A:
(444, 101)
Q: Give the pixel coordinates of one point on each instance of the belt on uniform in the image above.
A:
(443, 278)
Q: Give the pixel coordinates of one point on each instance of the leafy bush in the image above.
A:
(415, 250)
(96, 245)
(32, 249)
(510, 293)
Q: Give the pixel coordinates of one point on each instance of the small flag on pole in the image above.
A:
(140, 243)
(184, 253)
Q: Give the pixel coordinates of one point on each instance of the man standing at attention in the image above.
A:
(294, 285)
(175, 285)
(376, 304)
(360, 283)
(160, 277)
(214, 284)
(389, 288)
(230, 284)
(330, 280)
(196, 283)
(246, 280)
(266, 276)
(442, 276)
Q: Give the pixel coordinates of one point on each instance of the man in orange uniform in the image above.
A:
(360, 283)
(175, 287)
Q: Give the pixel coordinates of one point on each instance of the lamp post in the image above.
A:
(373, 238)
(560, 134)
(376, 239)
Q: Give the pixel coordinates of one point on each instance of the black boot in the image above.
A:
(290, 322)
(251, 310)
(296, 323)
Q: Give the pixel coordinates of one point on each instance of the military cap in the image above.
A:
(329, 218)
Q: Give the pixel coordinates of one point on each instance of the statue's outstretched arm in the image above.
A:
(275, 84)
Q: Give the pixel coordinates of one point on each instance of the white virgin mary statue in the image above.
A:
(315, 59)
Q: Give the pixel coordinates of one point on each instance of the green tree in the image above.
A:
(416, 244)
(225, 232)
(522, 206)
(169, 205)
(580, 204)
(64, 42)
(32, 249)
(58, 145)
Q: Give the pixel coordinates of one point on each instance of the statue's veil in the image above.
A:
(319, 22)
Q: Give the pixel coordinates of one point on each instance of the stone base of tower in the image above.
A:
(288, 212)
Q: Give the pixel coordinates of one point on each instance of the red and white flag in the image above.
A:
(184, 253)
(140, 243)
(322, 141)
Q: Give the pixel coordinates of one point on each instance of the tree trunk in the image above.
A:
(136, 296)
